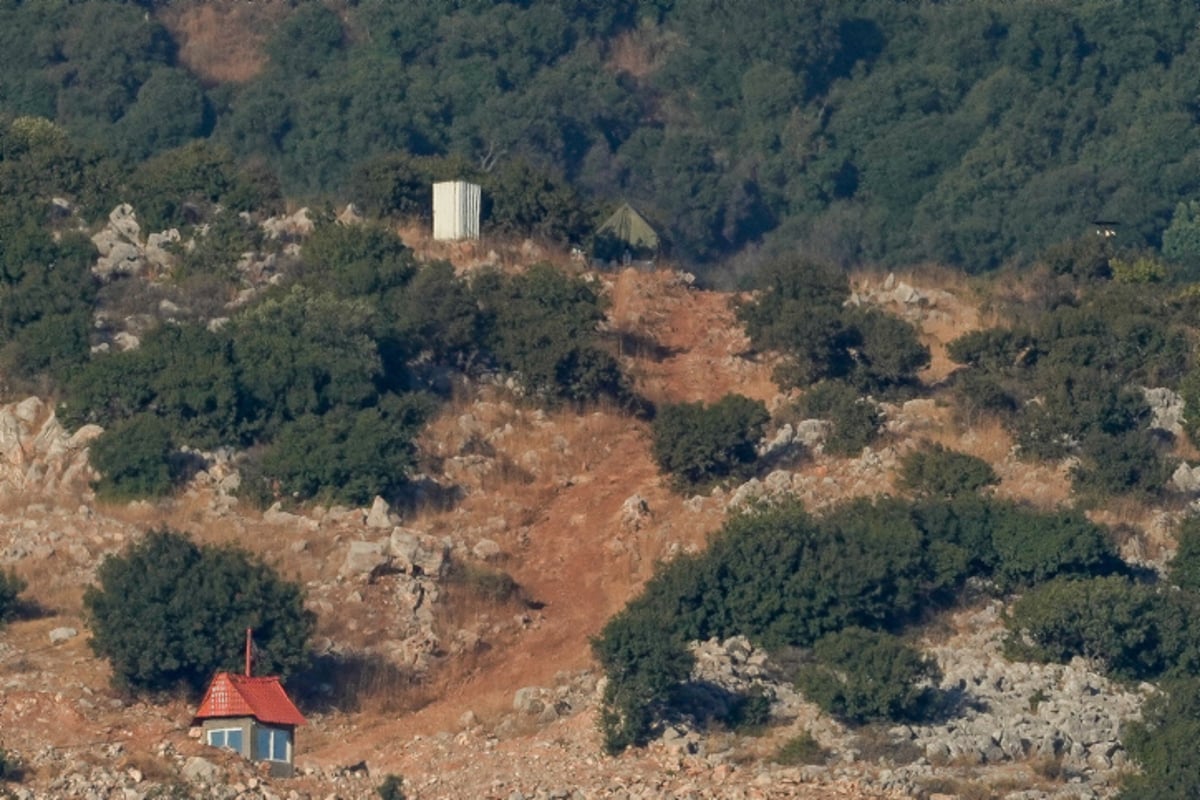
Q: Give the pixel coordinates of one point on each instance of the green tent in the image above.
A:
(626, 231)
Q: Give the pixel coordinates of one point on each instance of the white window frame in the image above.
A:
(208, 737)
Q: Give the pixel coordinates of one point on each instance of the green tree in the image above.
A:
(1132, 629)
(698, 443)
(1184, 568)
(345, 455)
(544, 329)
(133, 458)
(1163, 744)
(1032, 548)
(644, 663)
(862, 676)
(303, 353)
(935, 471)
(855, 420)
(356, 260)
(168, 614)
(1181, 240)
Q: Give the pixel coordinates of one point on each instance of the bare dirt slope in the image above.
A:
(578, 513)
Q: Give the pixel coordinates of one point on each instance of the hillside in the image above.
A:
(572, 507)
(968, 134)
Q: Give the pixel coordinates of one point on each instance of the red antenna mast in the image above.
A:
(248, 645)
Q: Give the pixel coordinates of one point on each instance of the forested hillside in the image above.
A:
(868, 131)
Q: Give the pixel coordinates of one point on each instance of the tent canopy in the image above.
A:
(629, 227)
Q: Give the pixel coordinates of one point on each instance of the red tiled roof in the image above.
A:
(232, 695)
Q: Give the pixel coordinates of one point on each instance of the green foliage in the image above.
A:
(1184, 568)
(303, 353)
(392, 788)
(198, 174)
(1163, 744)
(644, 664)
(798, 312)
(839, 584)
(855, 420)
(46, 292)
(167, 614)
(934, 471)
(1031, 548)
(524, 201)
(133, 458)
(11, 587)
(801, 750)
(698, 444)
(1181, 240)
(862, 676)
(11, 768)
(356, 260)
(437, 314)
(1135, 631)
(1142, 269)
(543, 329)
(344, 455)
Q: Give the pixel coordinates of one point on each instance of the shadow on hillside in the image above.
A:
(426, 494)
(639, 345)
(352, 681)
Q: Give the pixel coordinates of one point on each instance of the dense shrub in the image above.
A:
(935, 471)
(11, 587)
(1163, 744)
(644, 663)
(542, 326)
(1032, 547)
(698, 443)
(345, 455)
(133, 458)
(854, 420)
(1184, 569)
(862, 676)
(167, 613)
(1135, 631)
(798, 312)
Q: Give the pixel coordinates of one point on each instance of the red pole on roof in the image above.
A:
(247, 652)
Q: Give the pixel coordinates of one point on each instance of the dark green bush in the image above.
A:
(861, 676)
(11, 587)
(346, 455)
(133, 458)
(1032, 547)
(1135, 631)
(11, 768)
(1163, 744)
(698, 443)
(1184, 569)
(855, 420)
(168, 614)
(543, 328)
(392, 788)
(935, 471)
(644, 662)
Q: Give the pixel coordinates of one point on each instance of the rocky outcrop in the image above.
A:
(123, 251)
(37, 455)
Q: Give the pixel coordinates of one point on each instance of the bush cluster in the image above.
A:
(168, 614)
(841, 585)
(698, 443)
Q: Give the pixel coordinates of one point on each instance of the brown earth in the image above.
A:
(561, 533)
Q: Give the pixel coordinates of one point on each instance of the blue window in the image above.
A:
(272, 744)
(226, 737)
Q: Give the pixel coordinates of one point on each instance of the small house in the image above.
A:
(251, 716)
